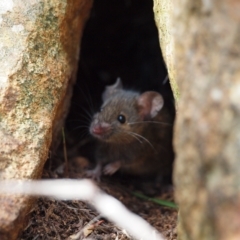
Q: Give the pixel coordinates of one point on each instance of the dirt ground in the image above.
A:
(51, 219)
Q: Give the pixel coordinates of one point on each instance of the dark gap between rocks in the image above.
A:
(120, 40)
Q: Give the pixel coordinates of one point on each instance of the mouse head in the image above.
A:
(123, 113)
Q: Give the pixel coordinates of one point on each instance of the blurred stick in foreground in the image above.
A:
(85, 190)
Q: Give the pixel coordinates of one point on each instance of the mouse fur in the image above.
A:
(134, 134)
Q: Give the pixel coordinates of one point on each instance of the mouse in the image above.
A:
(133, 132)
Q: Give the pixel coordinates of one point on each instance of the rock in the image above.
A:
(207, 132)
(163, 18)
(200, 43)
(39, 50)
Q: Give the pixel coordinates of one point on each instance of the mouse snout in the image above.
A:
(100, 129)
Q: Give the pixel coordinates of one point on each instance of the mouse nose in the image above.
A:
(100, 129)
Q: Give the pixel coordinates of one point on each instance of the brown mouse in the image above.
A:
(134, 133)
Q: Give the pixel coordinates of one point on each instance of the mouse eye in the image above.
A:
(121, 118)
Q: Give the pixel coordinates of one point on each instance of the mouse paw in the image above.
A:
(95, 173)
(111, 168)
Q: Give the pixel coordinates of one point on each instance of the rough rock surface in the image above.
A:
(39, 49)
(207, 137)
(163, 18)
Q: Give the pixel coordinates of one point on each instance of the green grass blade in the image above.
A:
(156, 200)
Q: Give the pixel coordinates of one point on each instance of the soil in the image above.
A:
(52, 219)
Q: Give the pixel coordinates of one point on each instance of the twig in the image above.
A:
(85, 190)
(66, 172)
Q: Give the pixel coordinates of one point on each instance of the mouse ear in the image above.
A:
(149, 103)
(110, 90)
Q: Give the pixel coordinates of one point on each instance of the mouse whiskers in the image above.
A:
(156, 122)
(132, 135)
(141, 137)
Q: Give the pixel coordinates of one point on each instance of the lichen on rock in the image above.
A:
(39, 47)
